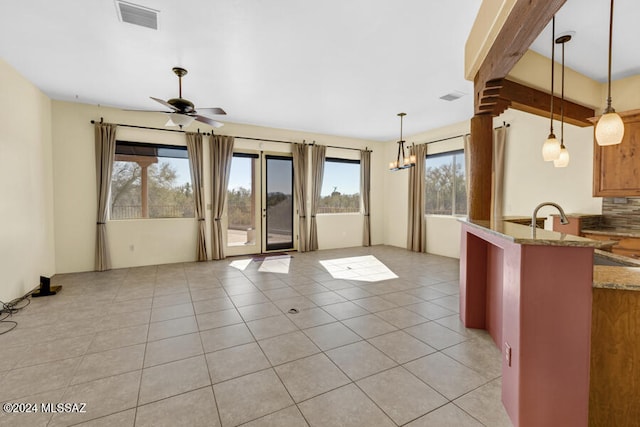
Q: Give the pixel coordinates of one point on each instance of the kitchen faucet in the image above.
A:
(563, 217)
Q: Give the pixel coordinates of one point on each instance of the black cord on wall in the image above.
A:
(8, 309)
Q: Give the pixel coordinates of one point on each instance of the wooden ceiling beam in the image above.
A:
(524, 98)
(534, 101)
(525, 22)
(491, 92)
(489, 100)
(509, 94)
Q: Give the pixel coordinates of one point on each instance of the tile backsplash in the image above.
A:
(621, 212)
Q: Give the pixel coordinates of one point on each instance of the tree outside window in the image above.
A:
(150, 181)
(340, 191)
(445, 184)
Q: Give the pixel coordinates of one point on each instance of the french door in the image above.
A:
(260, 204)
(277, 207)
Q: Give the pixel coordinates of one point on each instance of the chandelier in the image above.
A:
(402, 161)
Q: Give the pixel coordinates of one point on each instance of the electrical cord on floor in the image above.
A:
(10, 308)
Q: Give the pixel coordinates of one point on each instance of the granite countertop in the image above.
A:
(620, 232)
(525, 235)
(616, 259)
(621, 278)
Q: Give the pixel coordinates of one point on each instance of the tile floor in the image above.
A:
(206, 344)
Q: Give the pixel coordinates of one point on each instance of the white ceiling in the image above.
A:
(341, 67)
(587, 50)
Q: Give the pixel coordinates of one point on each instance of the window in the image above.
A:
(445, 187)
(242, 200)
(340, 191)
(150, 181)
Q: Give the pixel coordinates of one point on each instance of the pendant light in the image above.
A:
(402, 161)
(610, 128)
(563, 159)
(551, 147)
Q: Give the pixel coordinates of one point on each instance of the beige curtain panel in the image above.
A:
(317, 172)
(365, 190)
(497, 173)
(221, 157)
(497, 170)
(105, 141)
(194, 147)
(300, 161)
(417, 226)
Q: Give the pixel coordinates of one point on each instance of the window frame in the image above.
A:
(147, 150)
(246, 155)
(453, 154)
(132, 144)
(347, 161)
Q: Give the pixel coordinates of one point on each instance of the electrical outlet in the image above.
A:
(507, 353)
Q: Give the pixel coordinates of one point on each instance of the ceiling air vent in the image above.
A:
(452, 96)
(137, 15)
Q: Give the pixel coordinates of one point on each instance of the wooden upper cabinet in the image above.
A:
(616, 168)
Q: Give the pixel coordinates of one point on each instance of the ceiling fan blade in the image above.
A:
(165, 103)
(149, 111)
(216, 110)
(208, 121)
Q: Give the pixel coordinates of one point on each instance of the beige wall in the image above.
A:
(625, 94)
(529, 180)
(26, 211)
(47, 156)
(334, 230)
(155, 241)
(443, 232)
(534, 70)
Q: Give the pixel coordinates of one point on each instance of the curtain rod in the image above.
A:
(238, 137)
(504, 125)
(147, 127)
(290, 142)
(285, 142)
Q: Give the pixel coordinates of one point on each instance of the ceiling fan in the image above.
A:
(183, 112)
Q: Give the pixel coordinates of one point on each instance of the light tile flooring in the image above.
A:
(205, 344)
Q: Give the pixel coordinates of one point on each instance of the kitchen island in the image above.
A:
(531, 289)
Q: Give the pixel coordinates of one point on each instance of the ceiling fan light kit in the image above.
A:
(177, 119)
(402, 160)
(183, 111)
(610, 127)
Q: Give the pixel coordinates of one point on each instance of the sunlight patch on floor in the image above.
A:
(241, 264)
(363, 268)
(276, 264)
